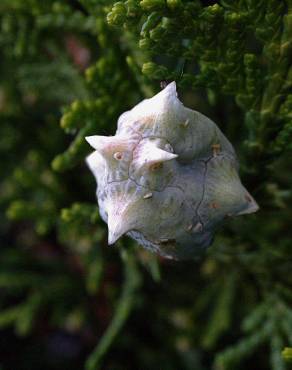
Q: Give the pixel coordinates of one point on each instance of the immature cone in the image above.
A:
(167, 178)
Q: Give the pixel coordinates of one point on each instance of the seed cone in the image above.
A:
(168, 177)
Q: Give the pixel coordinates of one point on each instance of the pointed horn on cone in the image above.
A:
(170, 88)
(251, 207)
(149, 155)
(157, 155)
(117, 227)
(107, 145)
(94, 141)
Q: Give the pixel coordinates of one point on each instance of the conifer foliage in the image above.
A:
(68, 69)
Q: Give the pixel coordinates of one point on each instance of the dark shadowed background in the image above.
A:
(68, 69)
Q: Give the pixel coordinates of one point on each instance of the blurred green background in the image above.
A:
(69, 69)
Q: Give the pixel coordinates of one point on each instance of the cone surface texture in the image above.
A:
(167, 178)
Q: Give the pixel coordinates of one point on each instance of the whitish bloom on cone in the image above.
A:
(167, 178)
